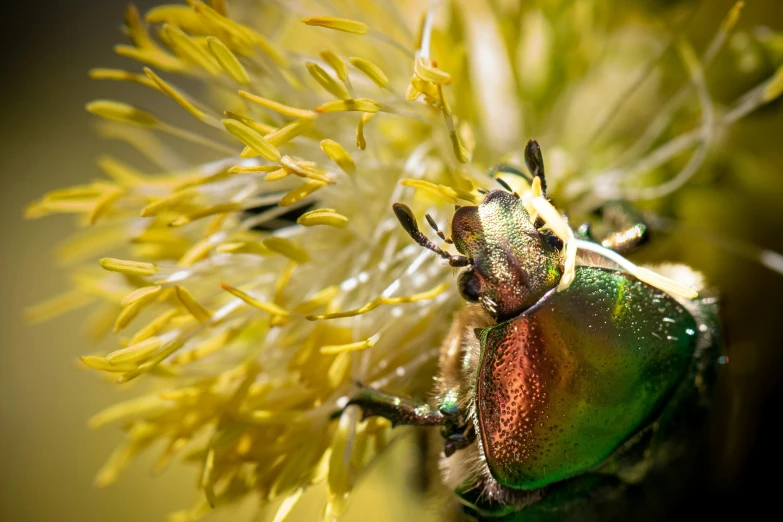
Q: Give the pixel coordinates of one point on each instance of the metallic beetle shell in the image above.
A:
(563, 385)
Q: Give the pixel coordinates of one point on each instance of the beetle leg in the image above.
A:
(626, 225)
(453, 383)
(457, 432)
(400, 411)
(585, 231)
(462, 438)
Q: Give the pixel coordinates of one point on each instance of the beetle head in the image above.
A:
(509, 263)
(512, 264)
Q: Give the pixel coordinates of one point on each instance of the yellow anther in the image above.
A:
(287, 248)
(338, 154)
(321, 298)
(120, 75)
(127, 315)
(282, 281)
(336, 63)
(122, 112)
(123, 266)
(350, 347)
(442, 191)
(146, 293)
(256, 303)
(134, 353)
(101, 364)
(336, 88)
(261, 128)
(418, 87)
(252, 139)
(156, 58)
(426, 71)
(244, 37)
(188, 49)
(301, 192)
(372, 71)
(137, 32)
(287, 133)
(460, 152)
(361, 142)
(155, 326)
(379, 301)
(338, 24)
(180, 15)
(103, 204)
(197, 252)
(120, 172)
(169, 202)
(200, 313)
(201, 213)
(228, 61)
(206, 348)
(412, 93)
(244, 247)
(339, 370)
(285, 110)
(304, 170)
(253, 169)
(78, 192)
(277, 175)
(358, 105)
(146, 404)
(323, 216)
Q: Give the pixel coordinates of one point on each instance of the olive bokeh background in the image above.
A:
(48, 457)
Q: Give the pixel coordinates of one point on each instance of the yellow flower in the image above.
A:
(252, 290)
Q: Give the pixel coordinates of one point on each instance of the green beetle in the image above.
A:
(572, 372)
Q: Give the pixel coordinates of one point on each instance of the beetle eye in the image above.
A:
(468, 286)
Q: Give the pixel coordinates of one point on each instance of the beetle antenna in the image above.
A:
(408, 221)
(437, 230)
(507, 187)
(535, 163)
(505, 168)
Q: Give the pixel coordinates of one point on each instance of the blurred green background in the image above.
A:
(49, 457)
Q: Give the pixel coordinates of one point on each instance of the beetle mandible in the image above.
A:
(570, 367)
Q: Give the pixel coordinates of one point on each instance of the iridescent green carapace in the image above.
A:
(562, 386)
